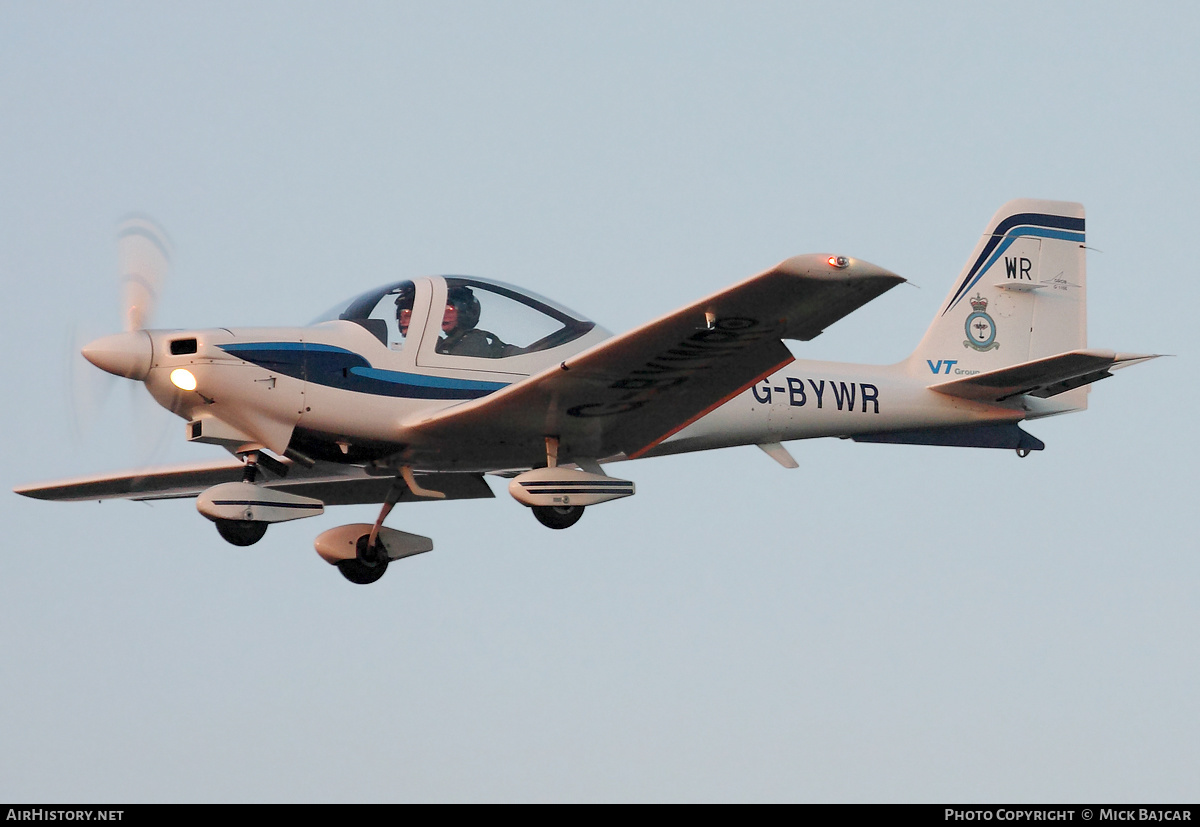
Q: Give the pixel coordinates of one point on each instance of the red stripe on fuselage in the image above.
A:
(639, 452)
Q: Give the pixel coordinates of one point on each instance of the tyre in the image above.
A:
(558, 516)
(241, 532)
(368, 566)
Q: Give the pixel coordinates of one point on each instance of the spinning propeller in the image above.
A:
(144, 255)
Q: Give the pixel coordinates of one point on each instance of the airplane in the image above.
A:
(417, 389)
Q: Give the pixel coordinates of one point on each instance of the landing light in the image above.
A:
(840, 262)
(183, 379)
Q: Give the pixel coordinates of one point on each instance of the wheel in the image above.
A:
(241, 532)
(558, 516)
(356, 571)
(367, 567)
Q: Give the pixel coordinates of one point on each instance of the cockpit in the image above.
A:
(456, 316)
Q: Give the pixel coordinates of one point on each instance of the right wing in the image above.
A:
(330, 483)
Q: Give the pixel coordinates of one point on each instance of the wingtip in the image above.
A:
(835, 267)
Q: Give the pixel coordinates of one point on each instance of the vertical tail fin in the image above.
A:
(1022, 296)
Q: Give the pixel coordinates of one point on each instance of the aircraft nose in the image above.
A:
(123, 354)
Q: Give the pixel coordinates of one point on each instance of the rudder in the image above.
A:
(1021, 296)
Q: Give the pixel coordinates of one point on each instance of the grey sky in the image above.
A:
(885, 623)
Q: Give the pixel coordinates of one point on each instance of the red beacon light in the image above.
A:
(840, 262)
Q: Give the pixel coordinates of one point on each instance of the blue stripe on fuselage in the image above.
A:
(336, 367)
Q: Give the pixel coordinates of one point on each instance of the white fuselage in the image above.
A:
(255, 382)
(831, 399)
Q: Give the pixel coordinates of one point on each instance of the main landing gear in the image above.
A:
(374, 549)
(370, 564)
(557, 516)
(557, 496)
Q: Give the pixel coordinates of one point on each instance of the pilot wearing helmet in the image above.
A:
(404, 308)
(459, 322)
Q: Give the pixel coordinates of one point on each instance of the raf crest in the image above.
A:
(980, 327)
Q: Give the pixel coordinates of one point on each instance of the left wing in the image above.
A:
(330, 483)
(627, 394)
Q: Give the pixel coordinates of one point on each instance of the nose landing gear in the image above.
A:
(241, 532)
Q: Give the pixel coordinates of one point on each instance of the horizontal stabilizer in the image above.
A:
(1004, 435)
(1041, 377)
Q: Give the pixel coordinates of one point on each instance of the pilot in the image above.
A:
(404, 308)
(463, 338)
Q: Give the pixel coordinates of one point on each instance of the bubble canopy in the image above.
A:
(491, 318)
